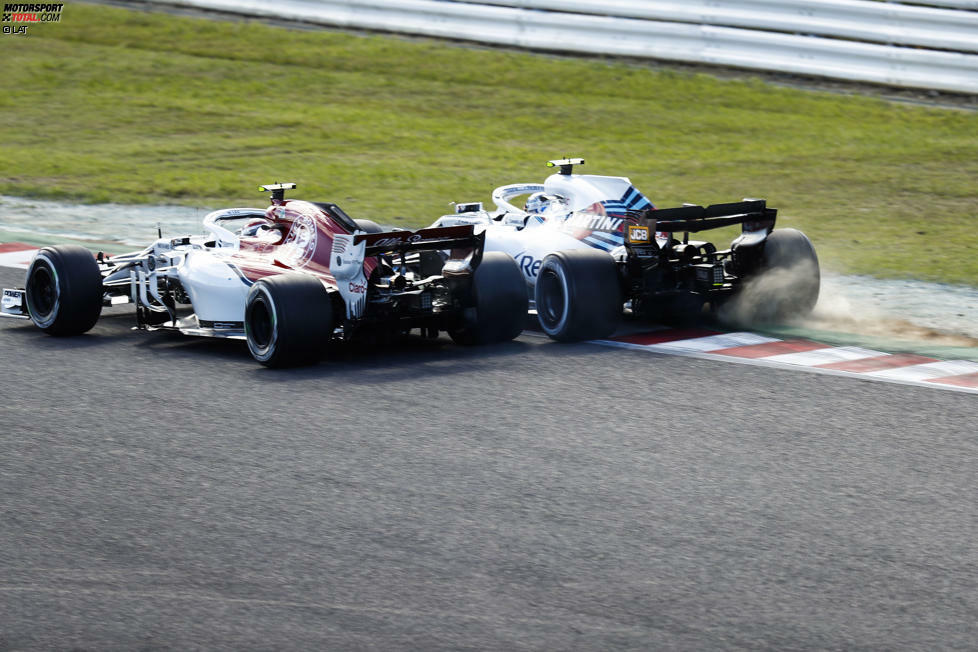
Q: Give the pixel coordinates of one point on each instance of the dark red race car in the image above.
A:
(289, 279)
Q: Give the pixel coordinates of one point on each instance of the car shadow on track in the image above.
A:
(411, 359)
(405, 358)
(25, 334)
(408, 357)
(383, 361)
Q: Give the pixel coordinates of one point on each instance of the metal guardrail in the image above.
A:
(859, 20)
(954, 4)
(858, 40)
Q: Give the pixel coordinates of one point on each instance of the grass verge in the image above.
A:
(137, 107)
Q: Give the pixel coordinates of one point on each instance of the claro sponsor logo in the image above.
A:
(358, 288)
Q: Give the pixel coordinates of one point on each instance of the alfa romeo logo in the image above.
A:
(300, 243)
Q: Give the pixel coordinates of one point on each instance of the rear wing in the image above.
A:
(441, 238)
(753, 214)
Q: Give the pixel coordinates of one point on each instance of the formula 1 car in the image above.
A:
(590, 247)
(289, 279)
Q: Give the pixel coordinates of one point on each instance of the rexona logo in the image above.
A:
(31, 13)
(529, 265)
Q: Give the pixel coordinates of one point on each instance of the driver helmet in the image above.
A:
(254, 227)
(538, 202)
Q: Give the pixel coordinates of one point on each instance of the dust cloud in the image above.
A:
(774, 296)
(932, 313)
(838, 311)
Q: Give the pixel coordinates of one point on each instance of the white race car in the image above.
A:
(591, 246)
(289, 279)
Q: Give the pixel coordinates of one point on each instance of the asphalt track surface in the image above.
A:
(167, 493)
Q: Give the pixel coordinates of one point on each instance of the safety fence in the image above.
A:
(930, 47)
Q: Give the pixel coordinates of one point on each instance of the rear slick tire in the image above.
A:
(501, 302)
(578, 295)
(789, 279)
(288, 320)
(64, 290)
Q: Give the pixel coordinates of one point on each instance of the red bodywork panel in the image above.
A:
(305, 245)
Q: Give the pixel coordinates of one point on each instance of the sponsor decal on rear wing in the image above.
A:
(446, 237)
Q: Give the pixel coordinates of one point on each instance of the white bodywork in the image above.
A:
(216, 289)
(204, 269)
(217, 292)
(586, 213)
(347, 268)
(203, 285)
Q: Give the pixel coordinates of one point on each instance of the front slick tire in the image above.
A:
(578, 295)
(64, 290)
(288, 320)
(500, 302)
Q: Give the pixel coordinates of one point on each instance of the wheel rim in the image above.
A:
(42, 291)
(552, 300)
(260, 325)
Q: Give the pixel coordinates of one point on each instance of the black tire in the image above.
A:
(501, 302)
(288, 320)
(578, 295)
(369, 226)
(64, 290)
(785, 284)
